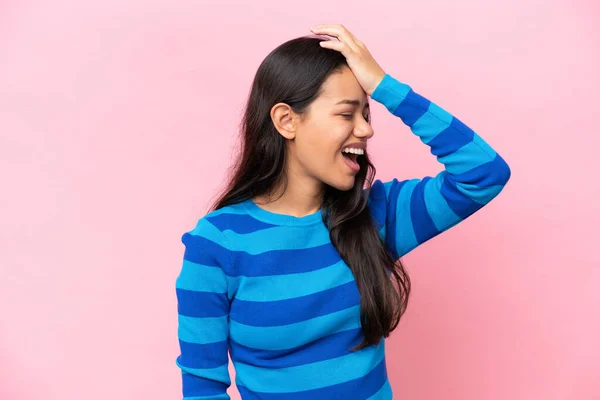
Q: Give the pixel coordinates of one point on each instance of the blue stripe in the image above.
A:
(385, 393)
(235, 209)
(243, 223)
(207, 230)
(259, 241)
(294, 335)
(466, 158)
(494, 173)
(441, 214)
(285, 312)
(423, 224)
(469, 191)
(451, 139)
(202, 356)
(390, 92)
(332, 346)
(412, 108)
(432, 123)
(201, 250)
(202, 278)
(210, 382)
(201, 304)
(282, 287)
(281, 262)
(391, 215)
(292, 237)
(461, 204)
(483, 146)
(376, 203)
(359, 388)
(402, 228)
(487, 194)
(311, 376)
(277, 262)
(202, 330)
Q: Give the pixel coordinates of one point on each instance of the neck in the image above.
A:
(302, 196)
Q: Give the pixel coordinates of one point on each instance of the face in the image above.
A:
(330, 124)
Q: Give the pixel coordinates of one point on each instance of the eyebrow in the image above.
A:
(351, 102)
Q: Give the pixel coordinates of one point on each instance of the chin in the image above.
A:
(344, 184)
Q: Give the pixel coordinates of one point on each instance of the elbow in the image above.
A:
(503, 170)
(496, 181)
(488, 182)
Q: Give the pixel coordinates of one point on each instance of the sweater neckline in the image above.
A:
(281, 219)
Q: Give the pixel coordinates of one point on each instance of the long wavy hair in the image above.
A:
(293, 73)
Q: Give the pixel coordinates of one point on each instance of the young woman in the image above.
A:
(295, 271)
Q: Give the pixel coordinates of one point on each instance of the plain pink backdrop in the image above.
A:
(118, 121)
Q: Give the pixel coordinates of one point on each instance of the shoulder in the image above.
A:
(208, 242)
(216, 222)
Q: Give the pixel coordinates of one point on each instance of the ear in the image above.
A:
(285, 120)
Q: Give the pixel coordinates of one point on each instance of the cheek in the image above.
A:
(322, 145)
(319, 144)
(324, 151)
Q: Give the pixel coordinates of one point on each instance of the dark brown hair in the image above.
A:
(293, 73)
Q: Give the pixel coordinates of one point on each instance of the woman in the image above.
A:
(296, 269)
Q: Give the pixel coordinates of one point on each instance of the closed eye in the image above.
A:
(366, 117)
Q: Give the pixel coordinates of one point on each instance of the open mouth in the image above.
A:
(351, 158)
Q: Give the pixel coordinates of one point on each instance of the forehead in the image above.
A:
(342, 86)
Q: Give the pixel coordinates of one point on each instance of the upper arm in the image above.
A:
(203, 313)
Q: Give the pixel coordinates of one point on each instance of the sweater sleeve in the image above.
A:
(413, 211)
(203, 314)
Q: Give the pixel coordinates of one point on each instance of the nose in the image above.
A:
(364, 130)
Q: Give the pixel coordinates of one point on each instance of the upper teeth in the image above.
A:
(353, 151)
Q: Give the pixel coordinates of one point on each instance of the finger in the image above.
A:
(343, 29)
(334, 45)
(338, 31)
(334, 30)
(340, 28)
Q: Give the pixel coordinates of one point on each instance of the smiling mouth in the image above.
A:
(351, 156)
(351, 160)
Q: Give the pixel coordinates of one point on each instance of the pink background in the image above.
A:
(117, 121)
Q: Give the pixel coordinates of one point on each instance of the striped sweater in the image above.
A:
(273, 291)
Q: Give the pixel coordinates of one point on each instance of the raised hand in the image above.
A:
(368, 73)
